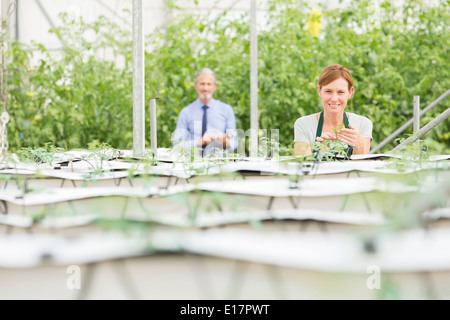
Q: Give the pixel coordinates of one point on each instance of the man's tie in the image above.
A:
(204, 120)
(204, 124)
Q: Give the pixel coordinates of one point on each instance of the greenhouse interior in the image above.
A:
(318, 170)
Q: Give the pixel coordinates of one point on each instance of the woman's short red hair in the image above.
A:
(333, 72)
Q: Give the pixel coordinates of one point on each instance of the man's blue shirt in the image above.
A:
(220, 119)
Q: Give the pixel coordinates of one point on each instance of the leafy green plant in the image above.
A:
(330, 150)
(45, 154)
(411, 156)
(338, 127)
(103, 151)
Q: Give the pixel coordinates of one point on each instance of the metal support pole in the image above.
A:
(416, 114)
(138, 81)
(47, 17)
(253, 146)
(7, 10)
(45, 13)
(113, 12)
(16, 23)
(153, 127)
(433, 123)
(17, 37)
(407, 124)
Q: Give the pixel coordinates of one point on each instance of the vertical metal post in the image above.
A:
(253, 146)
(275, 143)
(17, 34)
(416, 115)
(153, 127)
(6, 11)
(138, 81)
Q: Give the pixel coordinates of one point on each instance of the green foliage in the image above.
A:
(45, 154)
(329, 150)
(338, 127)
(411, 156)
(77, 96)
(102, 151)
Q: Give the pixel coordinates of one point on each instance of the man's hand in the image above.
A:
(205, 140)
(224, 140)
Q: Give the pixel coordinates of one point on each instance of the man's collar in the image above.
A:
(210, 102)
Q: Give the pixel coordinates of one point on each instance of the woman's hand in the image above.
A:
(350, 136)
(353, 138)
(326, 136)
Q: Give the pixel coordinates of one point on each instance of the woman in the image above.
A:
(335, 88)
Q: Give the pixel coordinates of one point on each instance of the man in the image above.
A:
(206, 123)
